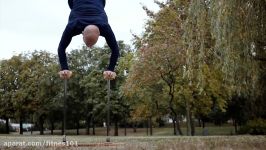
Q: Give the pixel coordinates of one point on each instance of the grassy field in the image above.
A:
(212, 130)
(162, 139)
(13, 142)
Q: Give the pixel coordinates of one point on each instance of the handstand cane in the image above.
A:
(65, 99)
(108, 110)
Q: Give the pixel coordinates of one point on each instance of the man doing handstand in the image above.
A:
(88, 17)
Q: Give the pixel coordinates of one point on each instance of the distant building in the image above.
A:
(15, 126)
(25, 126)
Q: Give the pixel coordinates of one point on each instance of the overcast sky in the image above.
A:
(27, 25)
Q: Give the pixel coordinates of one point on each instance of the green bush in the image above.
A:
(254, 127)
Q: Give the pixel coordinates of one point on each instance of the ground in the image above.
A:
(133, 142)
(220, 138)
(166, 131)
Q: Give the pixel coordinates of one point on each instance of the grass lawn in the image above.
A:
(134, 142)
(219, 138)
(212, 130)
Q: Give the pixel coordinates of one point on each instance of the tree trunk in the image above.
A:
(125, 132)
(125, 126)
(175, 120)
(20, 126)
(147, 127)
(77, 127)
(7, 125)
(171, 86)
(88, 126)
(235, 124)
(178, 126)
(93, 126)
(62, 129)
(116, 128)
(174, 126)
(41, 124)
(52, 127)
(188, 118)
(192, 124)
(150, 124)
(199, 122)
(134, 128)
(31, 129)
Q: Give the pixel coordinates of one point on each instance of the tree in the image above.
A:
(238, 29)
(5, 97)
(96, 89)
(45, 82)
(17, 75)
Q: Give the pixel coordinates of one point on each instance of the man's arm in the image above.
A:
(107, 32)
(70, 3)
(65, 41)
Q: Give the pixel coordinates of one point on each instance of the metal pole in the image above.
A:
(108, 109)
(65, 99)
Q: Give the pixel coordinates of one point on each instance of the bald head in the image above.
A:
(91, 34)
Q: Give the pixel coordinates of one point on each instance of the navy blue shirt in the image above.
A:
(84, 13)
